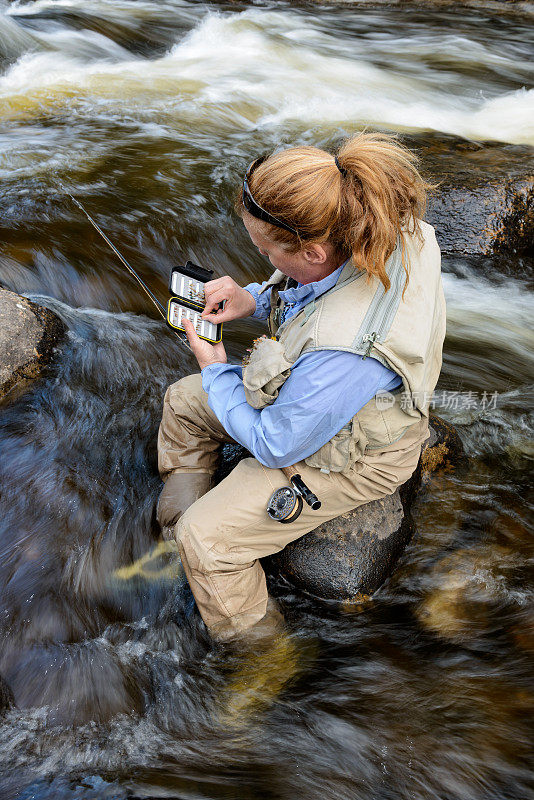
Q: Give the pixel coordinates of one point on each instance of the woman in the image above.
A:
(356, 315)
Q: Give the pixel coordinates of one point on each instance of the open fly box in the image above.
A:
(186, 286)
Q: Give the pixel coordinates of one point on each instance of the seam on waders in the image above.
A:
(267, 475)
(208, 575)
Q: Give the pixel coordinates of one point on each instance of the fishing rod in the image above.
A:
(160, 308)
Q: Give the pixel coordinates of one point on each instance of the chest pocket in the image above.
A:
(265, 372)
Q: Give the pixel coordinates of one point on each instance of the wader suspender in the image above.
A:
(273, 321)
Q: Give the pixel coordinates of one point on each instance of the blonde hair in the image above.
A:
(360, 209)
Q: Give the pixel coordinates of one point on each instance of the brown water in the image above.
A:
(149, 112)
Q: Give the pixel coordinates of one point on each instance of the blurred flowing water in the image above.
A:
(149, 112)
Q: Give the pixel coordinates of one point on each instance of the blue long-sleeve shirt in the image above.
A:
(324, 390)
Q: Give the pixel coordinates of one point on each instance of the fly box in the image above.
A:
(186, 286)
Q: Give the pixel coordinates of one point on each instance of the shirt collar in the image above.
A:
(309, 291)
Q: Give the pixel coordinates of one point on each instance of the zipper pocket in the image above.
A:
(382, 309)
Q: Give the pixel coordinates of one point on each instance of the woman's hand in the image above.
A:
(205, 353)
(239, 302)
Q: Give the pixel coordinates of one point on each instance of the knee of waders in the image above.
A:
(181, 490)
(196, 544)
(186, 390)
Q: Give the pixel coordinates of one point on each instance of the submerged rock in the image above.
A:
(466, 589)
(28, 335)
(352, 555)
(80, 681)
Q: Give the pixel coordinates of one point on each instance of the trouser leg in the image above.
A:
(190, 434)
(222, 536)
(189, 440)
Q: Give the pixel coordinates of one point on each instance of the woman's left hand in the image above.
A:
(205, 353)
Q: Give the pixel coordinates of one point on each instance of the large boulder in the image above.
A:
(502, 7)
(484, 200)
(349, 557)
(28, 336)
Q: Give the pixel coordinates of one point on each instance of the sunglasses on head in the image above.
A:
(254, 208)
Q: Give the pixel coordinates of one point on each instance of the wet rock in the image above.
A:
(502, 7)
(443, 449)
(349, 557)
(28, 335)
(484, 203)
(515, 227)
(6, 696)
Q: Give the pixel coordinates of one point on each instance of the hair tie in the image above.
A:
(340, 168)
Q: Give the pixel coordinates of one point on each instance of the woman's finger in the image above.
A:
(225, 314)
(194, 339)
(214, 300)
(216, 283)
(223, 285)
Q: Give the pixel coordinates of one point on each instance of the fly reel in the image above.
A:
(285, 505)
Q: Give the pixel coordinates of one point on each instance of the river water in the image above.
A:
(149, 112)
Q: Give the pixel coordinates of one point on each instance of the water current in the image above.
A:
(148, 112)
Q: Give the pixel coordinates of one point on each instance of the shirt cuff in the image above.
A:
(211, 371)
(262, 301)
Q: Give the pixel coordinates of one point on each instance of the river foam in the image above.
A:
(265, 68)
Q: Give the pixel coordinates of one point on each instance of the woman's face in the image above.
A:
(313, 263)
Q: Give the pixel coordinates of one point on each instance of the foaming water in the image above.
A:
(263, 68)
(490, 342)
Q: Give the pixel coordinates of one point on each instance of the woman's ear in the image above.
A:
(315, 254)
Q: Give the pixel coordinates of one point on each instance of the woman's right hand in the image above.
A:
(239, 302)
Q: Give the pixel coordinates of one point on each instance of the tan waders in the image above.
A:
(222, 534)
(180, 491)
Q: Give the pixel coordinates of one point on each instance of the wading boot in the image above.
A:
(180, 491)
(260, 661)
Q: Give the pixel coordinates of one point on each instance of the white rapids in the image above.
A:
(263, 68)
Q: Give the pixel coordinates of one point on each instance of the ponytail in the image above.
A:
(359, 201)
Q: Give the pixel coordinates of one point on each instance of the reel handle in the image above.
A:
(293, 475)
(289, 472)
